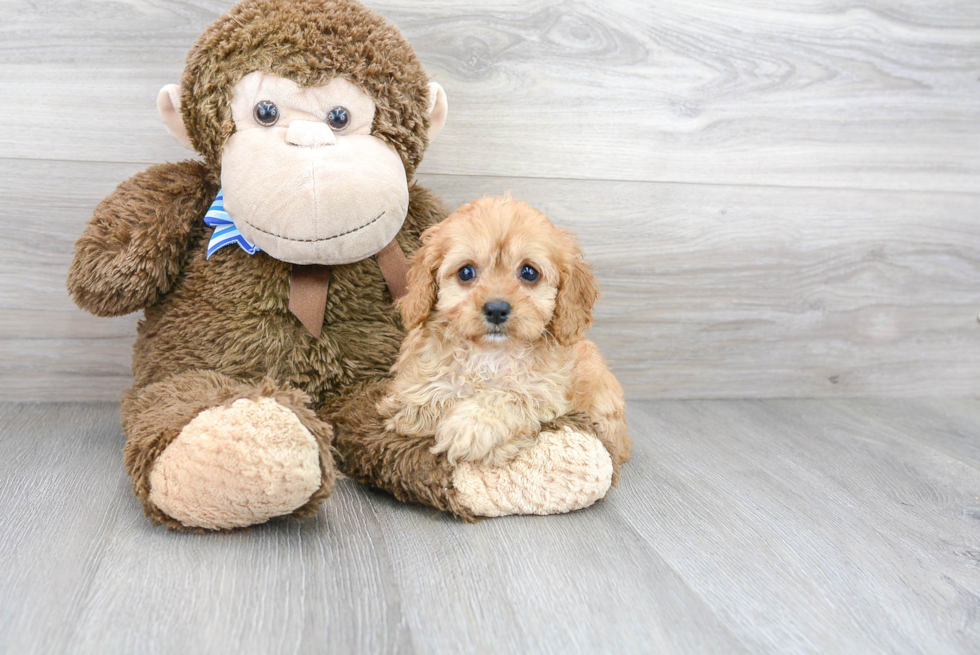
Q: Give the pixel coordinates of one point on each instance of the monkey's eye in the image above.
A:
(466, 273)
(266, 113)
(529, 273)
(338, 118)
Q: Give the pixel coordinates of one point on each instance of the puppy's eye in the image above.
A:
(266, 113)
(338, 118)
(466, 273)
(529, 273)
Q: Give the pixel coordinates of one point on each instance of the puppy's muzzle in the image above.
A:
(496, 311)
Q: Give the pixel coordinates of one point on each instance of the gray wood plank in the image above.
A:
(62, 491)
(708, 291)
(810, 526)
(946, 425)
(579, 583)
(877, 94)
(325, 585)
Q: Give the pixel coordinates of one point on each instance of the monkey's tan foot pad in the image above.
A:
(235, 466)
(562, 472)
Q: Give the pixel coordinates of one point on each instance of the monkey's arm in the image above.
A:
(597, 393)
(566, 469)
(133, 248)
(402, 465)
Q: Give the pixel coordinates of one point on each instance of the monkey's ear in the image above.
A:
(168, 104)
(438, 109)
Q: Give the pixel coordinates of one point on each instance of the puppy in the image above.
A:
(498, 304)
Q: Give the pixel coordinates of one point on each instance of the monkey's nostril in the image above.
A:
(496, 311)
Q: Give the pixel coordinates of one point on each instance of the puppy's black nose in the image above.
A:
(496, 311)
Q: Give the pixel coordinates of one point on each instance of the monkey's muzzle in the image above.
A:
(305, 195)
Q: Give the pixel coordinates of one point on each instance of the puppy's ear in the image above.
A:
(420, 297)
(577, 293)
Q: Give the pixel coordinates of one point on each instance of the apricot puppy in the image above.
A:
(498, 303)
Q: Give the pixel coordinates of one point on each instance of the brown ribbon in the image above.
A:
(310, 283)
(308, 287)
(394, 266)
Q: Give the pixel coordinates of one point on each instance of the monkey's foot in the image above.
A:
(563, 471)
(235, 466)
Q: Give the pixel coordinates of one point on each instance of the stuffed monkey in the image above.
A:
(266, 271)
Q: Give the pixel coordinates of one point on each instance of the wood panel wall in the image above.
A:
(781, 199)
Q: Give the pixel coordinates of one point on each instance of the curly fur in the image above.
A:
(482, 391)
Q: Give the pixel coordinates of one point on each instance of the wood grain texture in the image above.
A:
(708, 291)
(845, 505)
(879, 94)
(792, 526)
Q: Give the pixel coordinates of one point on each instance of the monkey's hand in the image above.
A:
(565, 469)
(133, 248)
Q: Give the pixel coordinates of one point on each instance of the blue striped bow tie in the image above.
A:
(225, 232)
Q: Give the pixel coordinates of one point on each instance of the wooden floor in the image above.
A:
(780, 199)
(793, 526)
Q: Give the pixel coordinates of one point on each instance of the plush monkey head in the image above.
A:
(316, 113)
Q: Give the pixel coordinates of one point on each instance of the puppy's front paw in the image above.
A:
(471, 437)
(563, 471)
(410, 421)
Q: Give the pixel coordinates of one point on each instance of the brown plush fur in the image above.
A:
(481, 390)
(231, 314)
(134, 248)
(219, 330)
